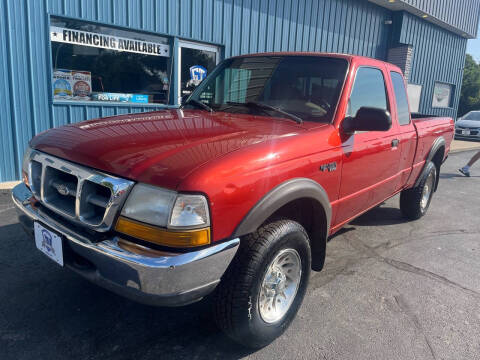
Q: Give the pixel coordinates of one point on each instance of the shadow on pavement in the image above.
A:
(380, 216)
(50, 312)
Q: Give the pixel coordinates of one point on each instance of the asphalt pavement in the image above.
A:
(391, 289)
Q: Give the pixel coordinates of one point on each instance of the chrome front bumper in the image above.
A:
(159, 278)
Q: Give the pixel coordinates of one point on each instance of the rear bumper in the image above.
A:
(159, 278)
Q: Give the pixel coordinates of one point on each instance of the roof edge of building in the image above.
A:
(425, 15)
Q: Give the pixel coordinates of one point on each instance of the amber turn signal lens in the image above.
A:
(154, 234)
(25, 178)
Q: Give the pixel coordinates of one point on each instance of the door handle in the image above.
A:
(395, 143)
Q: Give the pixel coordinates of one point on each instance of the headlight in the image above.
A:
(165, 217)
(190, 211)
(149, 204)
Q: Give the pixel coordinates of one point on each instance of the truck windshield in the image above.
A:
(297, 87)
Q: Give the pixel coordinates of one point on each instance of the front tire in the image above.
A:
(265, 284)
(414, 202)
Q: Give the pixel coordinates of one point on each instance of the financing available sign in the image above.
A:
(104, 41)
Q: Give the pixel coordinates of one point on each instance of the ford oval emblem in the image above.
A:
(63, 189)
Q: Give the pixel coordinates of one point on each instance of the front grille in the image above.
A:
(75, 192)
(472, 132)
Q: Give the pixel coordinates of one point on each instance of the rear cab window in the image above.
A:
(400, 93)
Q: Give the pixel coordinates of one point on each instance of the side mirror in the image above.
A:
(368, 119)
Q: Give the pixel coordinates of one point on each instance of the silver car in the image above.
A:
(468, 126)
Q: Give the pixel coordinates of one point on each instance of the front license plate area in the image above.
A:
(49, 243)
(465, 132)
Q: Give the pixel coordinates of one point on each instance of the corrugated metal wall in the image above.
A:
(462, 14)
(241, 26)
(438, 55)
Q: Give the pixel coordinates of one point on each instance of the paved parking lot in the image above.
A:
(390, 290)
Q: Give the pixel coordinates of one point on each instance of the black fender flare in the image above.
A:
(290, 190)
(437, 144)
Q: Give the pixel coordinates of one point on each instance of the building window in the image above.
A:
(98, 63)
(442, 95)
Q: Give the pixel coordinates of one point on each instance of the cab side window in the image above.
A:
(368, 90)
(400, 98)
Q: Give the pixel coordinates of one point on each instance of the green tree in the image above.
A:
(470, 94)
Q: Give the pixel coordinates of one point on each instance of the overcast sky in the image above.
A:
(473, 47)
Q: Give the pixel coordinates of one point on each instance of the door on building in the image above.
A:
(195, 62)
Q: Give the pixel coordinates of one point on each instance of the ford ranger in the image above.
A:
(235, 193)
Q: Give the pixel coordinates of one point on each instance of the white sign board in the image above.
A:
(104, 41)
(441, 95)
(414, 92)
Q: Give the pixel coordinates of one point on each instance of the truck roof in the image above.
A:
(349, 57)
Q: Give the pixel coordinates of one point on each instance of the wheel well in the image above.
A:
(437, 160)
(311, 215)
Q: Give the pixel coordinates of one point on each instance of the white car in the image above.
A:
(468, 126)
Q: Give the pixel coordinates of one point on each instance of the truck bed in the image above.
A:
(428, 129)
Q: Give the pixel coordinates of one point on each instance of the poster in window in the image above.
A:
(72, 84)
(441, 95)
(81, 85)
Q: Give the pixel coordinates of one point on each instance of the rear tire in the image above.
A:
(414, 202)
(264, 286)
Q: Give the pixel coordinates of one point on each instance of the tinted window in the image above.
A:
(305, 86)
(368, 90)
(400, 98)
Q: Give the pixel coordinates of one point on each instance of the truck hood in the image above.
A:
(161, 147)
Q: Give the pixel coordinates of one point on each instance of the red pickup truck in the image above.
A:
(235, 193)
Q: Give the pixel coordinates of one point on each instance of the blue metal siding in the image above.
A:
(438, 55)
(462, 14)
(7, 123)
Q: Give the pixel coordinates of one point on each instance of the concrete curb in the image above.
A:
(461, 146)
(9, 185)
(454, 151)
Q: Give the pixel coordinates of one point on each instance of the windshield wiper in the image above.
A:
(262, 106)
(198, 104)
